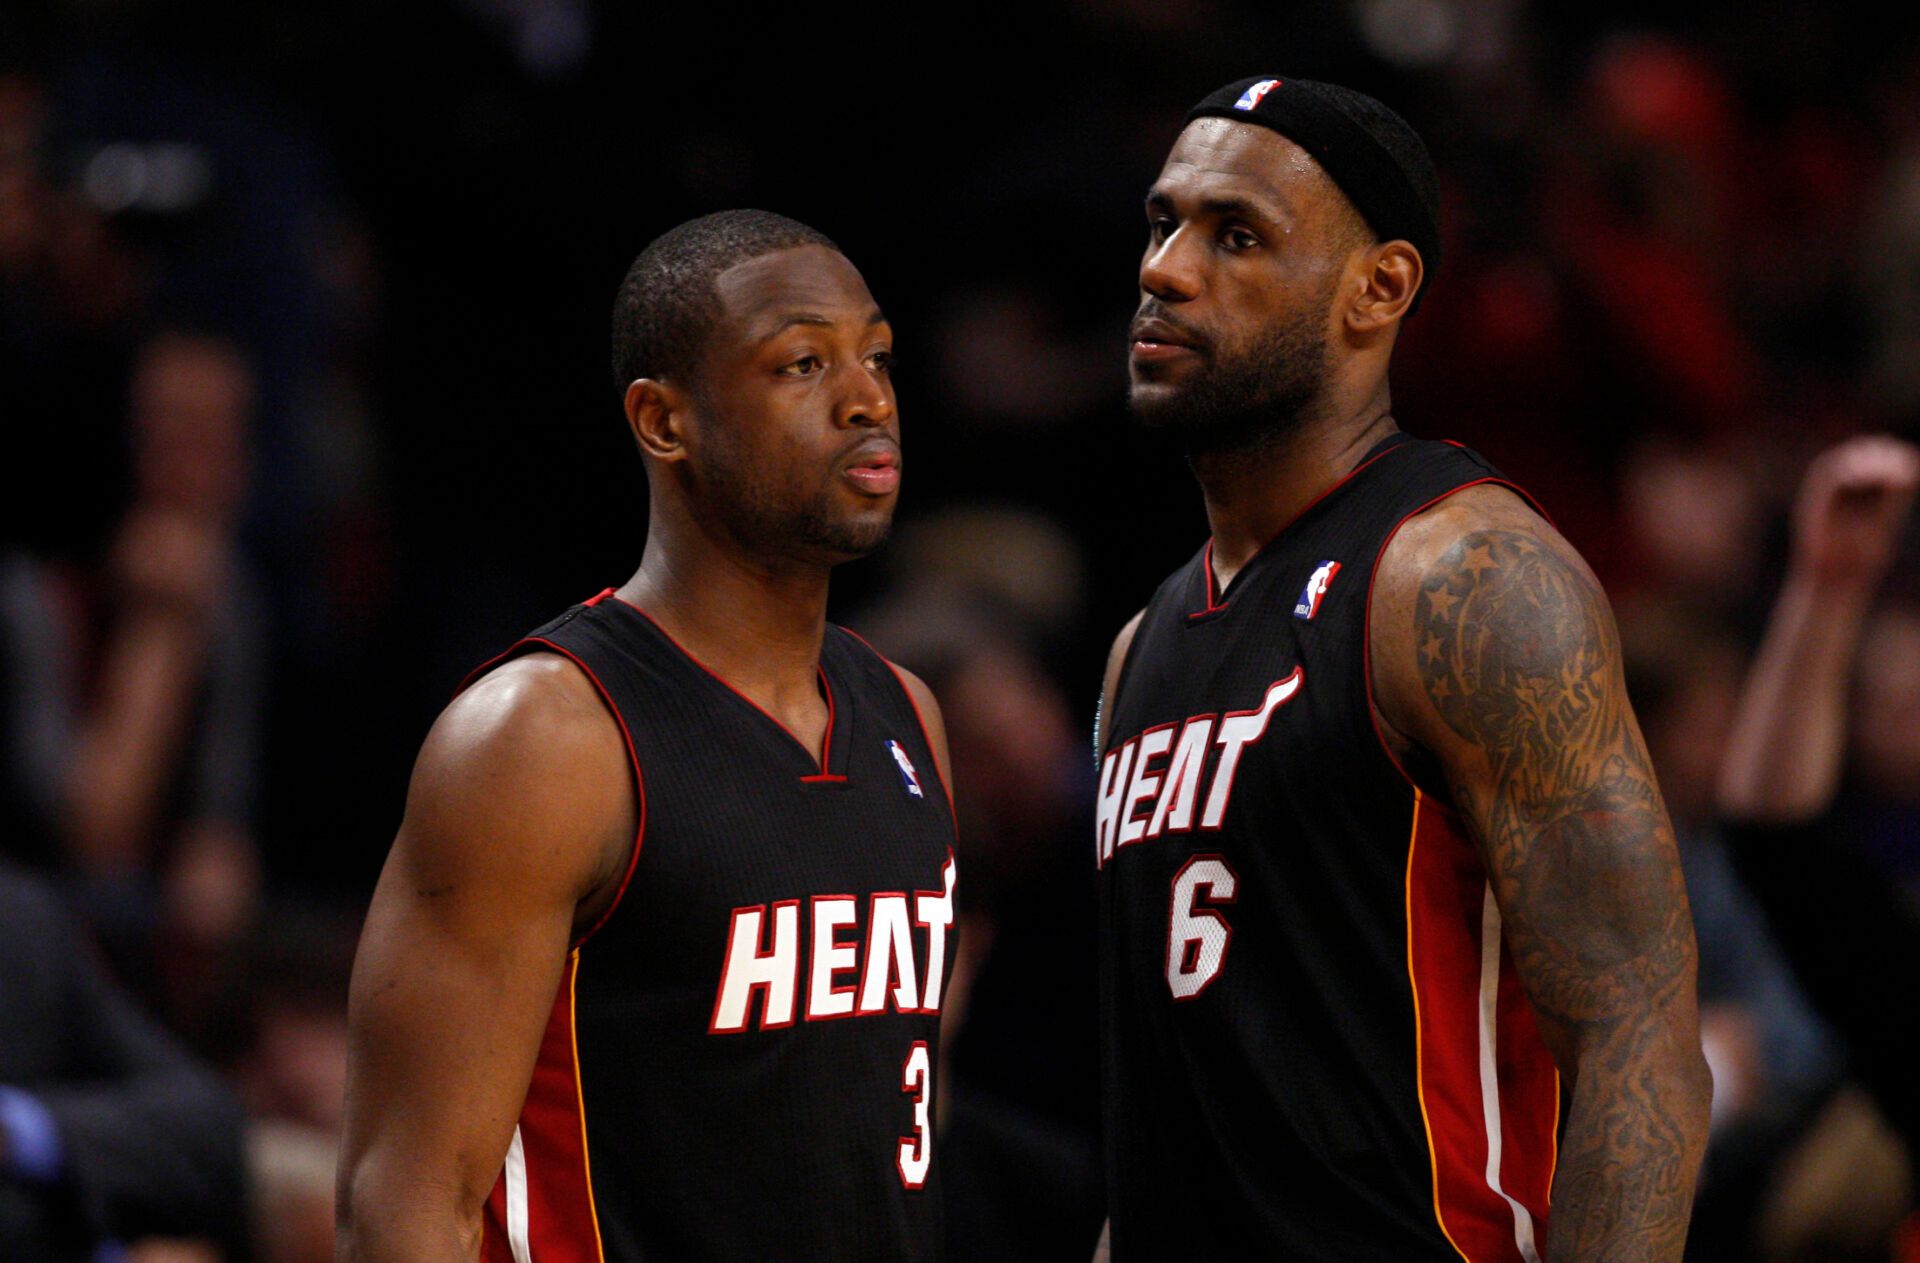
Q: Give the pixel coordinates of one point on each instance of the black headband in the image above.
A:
(1397, 202)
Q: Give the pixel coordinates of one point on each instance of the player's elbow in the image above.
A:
(384, 1215)
(1693, 1083)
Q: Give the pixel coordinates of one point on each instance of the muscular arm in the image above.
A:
(517, 828)
(1495, 656)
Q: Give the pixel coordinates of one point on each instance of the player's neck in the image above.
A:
(1253, 494)
(758, 625)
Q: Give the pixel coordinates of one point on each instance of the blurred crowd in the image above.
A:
(302, 323)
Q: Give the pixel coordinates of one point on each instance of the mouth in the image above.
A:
(1156, 341)
(874, 468)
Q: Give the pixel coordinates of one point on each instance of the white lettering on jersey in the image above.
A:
(1237, 732)
(889, 957)
(1128, 779)
(853, 970)
(1153, 743)
(1113, 787)
(1175, 809)
(748, 969)
(935, 911)
(831, 957)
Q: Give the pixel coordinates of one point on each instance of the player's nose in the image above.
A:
(1169, 270)
(866, 399)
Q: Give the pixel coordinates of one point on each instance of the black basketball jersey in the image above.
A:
(1314, 1043)
(739, 1061)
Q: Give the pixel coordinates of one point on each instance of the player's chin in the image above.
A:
(854, 534)
(1157, 404)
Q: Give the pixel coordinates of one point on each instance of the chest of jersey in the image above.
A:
(1266, 879)
(745, 1044)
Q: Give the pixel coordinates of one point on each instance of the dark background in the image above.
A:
(1682, 253)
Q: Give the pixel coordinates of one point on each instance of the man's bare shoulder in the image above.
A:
(1488, 509)
(527, 763)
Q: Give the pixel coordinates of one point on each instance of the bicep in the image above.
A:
(508, 827)
(1506, 670)
(451, 990)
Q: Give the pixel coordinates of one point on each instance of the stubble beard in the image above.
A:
(1249, 401)
(771, 522)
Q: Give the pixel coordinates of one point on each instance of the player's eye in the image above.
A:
(881, 361)
(1236, 238)
(1159, 227)
(804, 366)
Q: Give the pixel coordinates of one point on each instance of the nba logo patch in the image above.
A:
(1251, 97)
(907, 774)
(1316, 590)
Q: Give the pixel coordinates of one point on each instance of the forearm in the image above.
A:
(1635, 1133)
(1784, 751)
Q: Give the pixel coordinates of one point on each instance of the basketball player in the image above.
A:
(656, 964)
(1379, 847)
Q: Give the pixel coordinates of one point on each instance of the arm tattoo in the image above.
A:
(1520, 659)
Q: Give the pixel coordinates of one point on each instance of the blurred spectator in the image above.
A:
(1850, 937)
(109, 1132)
(161, 783)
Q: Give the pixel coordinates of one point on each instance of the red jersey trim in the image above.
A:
(550, 1188)
(1489, 1092)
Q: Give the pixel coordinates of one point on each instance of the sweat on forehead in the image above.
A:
(668, 304)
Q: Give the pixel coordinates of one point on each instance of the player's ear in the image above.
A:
(657, 413)
(1389, 278)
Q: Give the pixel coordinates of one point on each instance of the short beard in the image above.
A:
(754, 510)
(1250, 402)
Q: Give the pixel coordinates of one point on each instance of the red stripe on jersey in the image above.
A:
(563, 1224)
(1446, 907)
(494, 1246)
(1529, 1097)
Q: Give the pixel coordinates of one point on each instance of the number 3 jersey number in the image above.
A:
(915, 1154)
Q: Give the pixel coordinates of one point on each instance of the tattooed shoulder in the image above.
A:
(1519, 656)
(1508, 634)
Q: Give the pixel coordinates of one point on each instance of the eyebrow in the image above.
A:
(1219, 207)
(816, 319)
